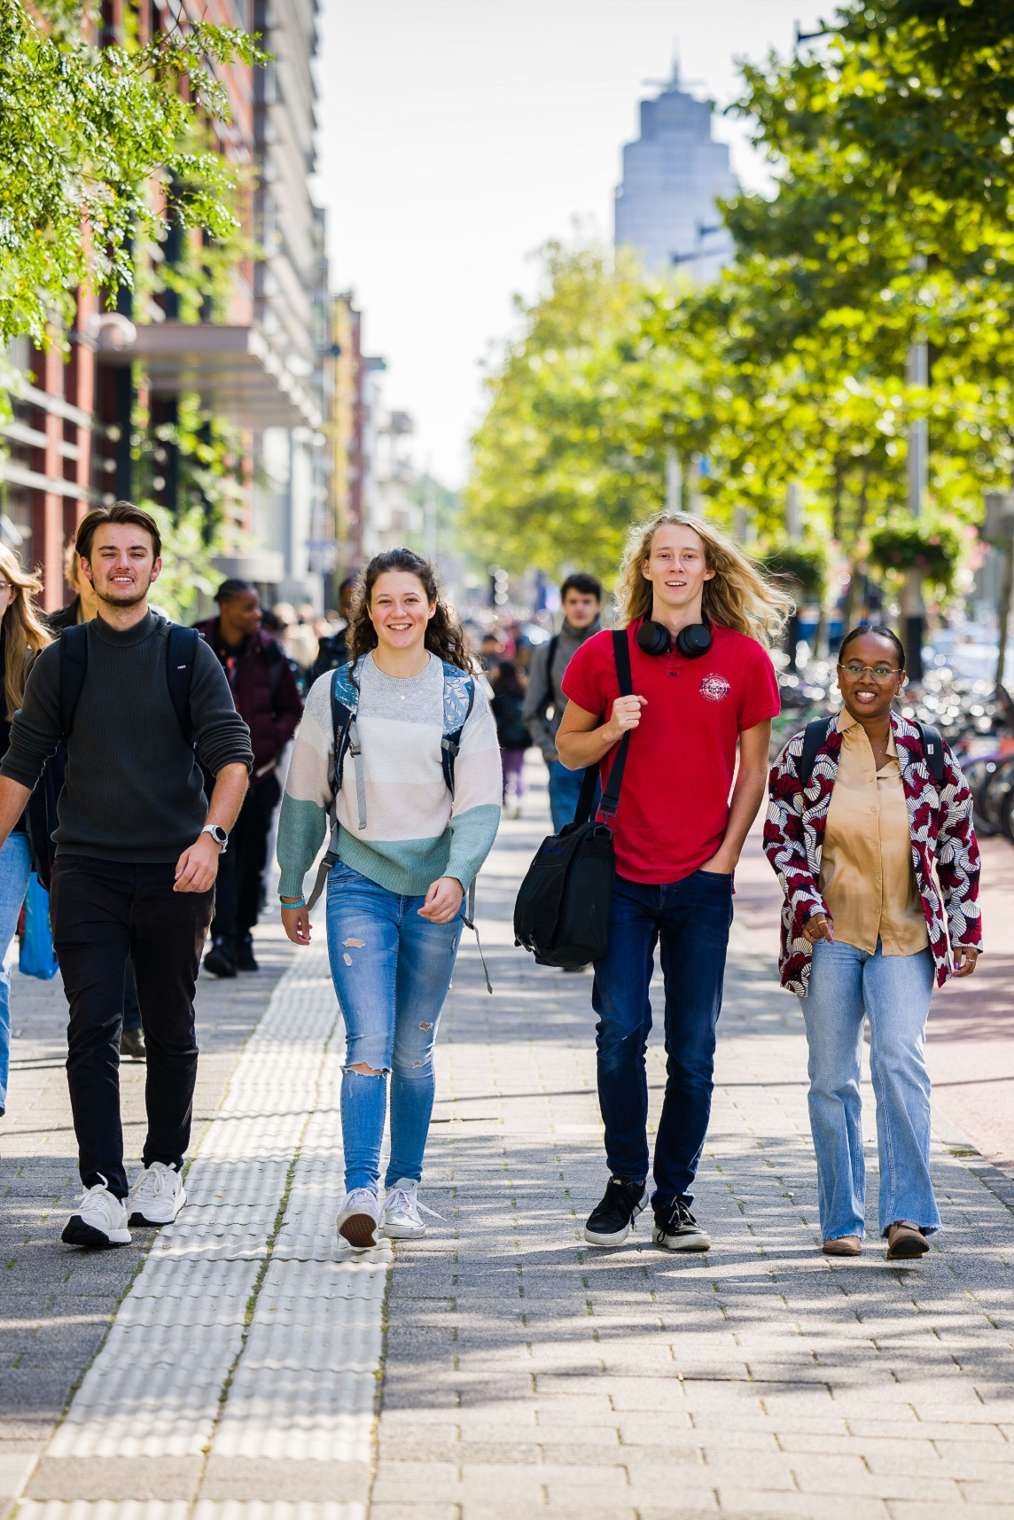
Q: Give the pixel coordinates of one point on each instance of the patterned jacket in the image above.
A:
(942, 835)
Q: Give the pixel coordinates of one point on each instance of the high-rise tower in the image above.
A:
(672, 176)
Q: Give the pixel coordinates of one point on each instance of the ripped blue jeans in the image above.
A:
(391, 970)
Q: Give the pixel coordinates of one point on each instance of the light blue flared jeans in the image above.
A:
(894, 992)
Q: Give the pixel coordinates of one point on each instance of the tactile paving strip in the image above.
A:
(179, 1509)
(245, 1335)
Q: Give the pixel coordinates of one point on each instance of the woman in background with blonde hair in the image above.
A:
(22, 635)
(671, 698)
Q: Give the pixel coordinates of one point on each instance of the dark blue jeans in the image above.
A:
(690, 920)
(564, 793)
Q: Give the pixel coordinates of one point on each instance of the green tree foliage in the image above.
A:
(95, 152)
(889, 225)
(558, 469)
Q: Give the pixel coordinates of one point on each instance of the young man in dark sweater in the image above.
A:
(137, 851)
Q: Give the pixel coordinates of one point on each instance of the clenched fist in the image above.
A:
(626, 715)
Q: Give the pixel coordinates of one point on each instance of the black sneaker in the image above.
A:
(611, 1221)
(677, 1230)
(219, 959)
(132, 1044)
(245, 956)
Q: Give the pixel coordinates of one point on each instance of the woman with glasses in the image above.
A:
(22, 635)
(880, 870)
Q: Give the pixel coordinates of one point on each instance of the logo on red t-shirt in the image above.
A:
(716, 688)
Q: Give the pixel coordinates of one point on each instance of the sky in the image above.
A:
(458, 136)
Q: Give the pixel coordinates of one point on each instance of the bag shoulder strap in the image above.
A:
(814, 735)
(459, 699)
(73, 669)
(181, 652)
(621, 653)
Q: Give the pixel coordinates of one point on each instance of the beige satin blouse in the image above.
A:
(866, 874)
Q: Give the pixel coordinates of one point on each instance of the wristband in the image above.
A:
(300, 903)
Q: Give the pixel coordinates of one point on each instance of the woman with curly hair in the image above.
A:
(410, 775)
(879, 866)
(22, 635)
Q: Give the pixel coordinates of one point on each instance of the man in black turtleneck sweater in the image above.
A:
(137, 851)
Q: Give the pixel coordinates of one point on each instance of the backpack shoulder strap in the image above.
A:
(181, 652)
(933, 749)
(344, 707)
(73, 669)
(344, 693)
(814, 735)
(551, 649)
(459, 699)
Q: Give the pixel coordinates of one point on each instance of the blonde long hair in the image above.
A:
(24, 631)
(739, 595)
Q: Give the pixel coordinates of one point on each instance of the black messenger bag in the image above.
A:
(562, 909)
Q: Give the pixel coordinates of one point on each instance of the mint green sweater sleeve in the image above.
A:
(303, 820)
(478, 794)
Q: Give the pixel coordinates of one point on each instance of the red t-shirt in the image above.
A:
(674, 802)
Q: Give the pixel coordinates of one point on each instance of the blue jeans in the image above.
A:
(15, 866)
(391, 970)
(894, 991)
(690, 920)
(564, 792)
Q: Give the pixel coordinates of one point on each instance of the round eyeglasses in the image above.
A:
(880, 671)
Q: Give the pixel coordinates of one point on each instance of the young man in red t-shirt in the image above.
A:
(703, 686)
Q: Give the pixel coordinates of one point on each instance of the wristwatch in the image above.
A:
(218, 834)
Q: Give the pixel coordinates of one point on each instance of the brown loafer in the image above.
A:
(843, 1245)
(905, 1240)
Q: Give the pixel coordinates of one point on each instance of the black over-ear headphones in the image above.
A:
(691, 641)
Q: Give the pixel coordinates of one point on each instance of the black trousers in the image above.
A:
(238, 892)
(103, 912)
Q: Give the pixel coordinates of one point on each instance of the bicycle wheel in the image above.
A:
(994, 790)
(978, 773)
(1007, 813)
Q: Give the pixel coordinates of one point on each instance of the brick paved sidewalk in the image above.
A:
(526, 1373)
(56, 1306)
(520, 1370)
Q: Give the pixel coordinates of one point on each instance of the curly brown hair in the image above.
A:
(444, 636)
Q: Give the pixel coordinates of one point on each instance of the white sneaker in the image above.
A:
(401, 1217)
(101, 1220)
(157, 1196)
(358, 1218)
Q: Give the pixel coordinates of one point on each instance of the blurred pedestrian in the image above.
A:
(491, 652)
(397, 873)
(82, 607)
(702, 686)
(22, 636)
(137, 855)
(334, 651)
(867, 931)
(512, 735)
(545, 698)
(268, 701)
